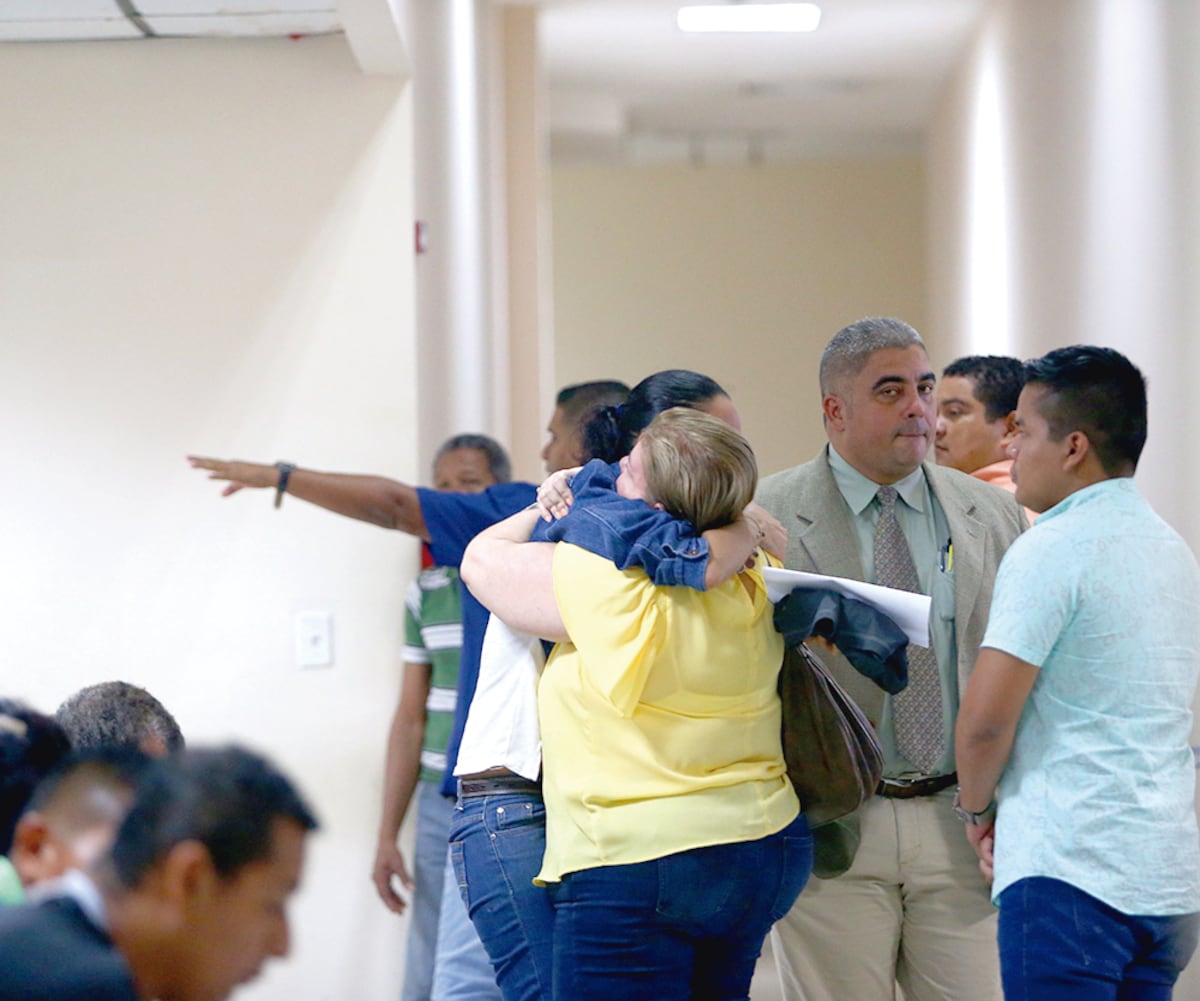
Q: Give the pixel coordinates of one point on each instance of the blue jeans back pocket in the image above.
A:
(508, 816)
(695, 886)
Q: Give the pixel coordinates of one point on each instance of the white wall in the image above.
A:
(1062, 185)
(1062, 179)
(206, 246)
(740, 272)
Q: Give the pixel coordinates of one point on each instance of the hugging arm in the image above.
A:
(514, 578)
(634, 533)
(732, 547)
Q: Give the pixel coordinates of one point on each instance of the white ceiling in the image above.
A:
(625, 84)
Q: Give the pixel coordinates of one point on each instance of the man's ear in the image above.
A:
(1010, 430)
(834, 409)
(186, 876)
(1077, 449)
(36, 853)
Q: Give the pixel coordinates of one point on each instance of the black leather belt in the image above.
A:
(904, 788)
(497, 784)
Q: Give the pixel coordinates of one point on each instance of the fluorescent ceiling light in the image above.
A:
(750, 17)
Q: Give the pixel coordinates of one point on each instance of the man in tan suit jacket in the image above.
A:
(912, 908)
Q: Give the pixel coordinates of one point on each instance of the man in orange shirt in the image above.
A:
(976, 409)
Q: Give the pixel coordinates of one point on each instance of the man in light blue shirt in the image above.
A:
(1078, 714)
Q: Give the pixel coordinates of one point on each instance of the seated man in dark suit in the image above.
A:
(189, 903)
(73, 815)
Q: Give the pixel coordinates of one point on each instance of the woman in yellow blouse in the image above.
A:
(674, 839)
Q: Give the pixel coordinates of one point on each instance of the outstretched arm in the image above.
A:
(513, 577)
(375, 499)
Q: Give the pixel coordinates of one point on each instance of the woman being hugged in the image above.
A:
(674, 839)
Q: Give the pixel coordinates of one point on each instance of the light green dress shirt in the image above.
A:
(928, 533)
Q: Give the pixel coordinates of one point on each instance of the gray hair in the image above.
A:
(847, 353)
(117, 714)
(493, 452)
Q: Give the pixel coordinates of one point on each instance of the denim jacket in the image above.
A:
(628, 532)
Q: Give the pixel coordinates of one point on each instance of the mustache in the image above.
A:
(916, 426)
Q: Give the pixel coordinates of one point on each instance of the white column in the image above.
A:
(1100, 144)
(1068, 149)
(451, 54)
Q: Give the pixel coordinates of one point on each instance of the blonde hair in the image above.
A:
(697, 467)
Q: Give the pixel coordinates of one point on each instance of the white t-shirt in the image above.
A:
(502, 722)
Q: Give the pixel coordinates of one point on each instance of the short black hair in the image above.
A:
(493, 453)
(998, 381)
(226, 798)
(117, 714)
(1097, 391)
(611, 432)
(31, 745)
(101, 767)
(579, 401)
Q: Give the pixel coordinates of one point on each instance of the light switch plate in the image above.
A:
(314, 639)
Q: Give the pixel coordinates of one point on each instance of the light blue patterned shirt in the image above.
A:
(1104, 597)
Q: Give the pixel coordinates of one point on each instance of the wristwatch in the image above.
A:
(967, 817)
(281, 485)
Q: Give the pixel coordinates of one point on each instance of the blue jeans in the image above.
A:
(496, 847)
(428, 870)
(1058, 943)
(463, 971)
(686, 926)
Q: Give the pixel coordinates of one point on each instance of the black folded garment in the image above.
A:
(866, 637)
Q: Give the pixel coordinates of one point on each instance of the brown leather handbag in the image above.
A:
(832, 755)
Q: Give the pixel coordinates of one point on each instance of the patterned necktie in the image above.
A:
(917, 710)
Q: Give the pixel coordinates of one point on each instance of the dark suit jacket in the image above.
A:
(52, 952)
(983, 519)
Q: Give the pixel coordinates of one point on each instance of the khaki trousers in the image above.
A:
(913, 910)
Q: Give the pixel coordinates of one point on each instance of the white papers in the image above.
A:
(908, 610)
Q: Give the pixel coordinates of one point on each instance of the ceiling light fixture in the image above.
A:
(750, 17)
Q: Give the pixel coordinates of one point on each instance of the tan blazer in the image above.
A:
(983, 521)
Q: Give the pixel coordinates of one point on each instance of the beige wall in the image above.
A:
(529, 389)
(206, 246)
(740, 272)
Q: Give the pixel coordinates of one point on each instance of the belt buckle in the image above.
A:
(909, 786)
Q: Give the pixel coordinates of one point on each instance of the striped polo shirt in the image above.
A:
(433, 635)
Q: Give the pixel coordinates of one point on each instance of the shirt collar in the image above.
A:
(1105, 488)
(80, 888)
(859, 490)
